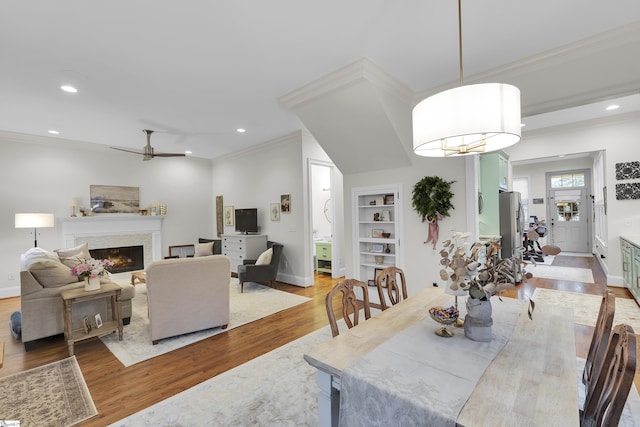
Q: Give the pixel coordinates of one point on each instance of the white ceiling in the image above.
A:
(196, 70)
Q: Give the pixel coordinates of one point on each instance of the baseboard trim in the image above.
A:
(10, 292)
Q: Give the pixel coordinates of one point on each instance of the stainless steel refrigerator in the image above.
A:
(511, 224)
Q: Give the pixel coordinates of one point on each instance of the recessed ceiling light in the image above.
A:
(188, 152)
(69, 88)
(612, 107)
(241, 130)
(53, 132)
(522, 125)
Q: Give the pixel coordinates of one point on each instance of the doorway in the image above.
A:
(325, 207)
(568, 210)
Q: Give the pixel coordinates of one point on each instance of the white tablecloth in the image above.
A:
(418, 378)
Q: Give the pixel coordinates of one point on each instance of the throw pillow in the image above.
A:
(265, 257)
(203, 249)
(52, 274)
(73, 256)
(217, 244)
(35, 255)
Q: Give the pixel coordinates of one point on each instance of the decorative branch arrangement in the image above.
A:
(477, 269)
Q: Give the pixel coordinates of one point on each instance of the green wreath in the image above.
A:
(432, 196)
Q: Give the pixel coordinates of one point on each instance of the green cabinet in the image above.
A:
(630, 249)
(323, 257)
(494, 178)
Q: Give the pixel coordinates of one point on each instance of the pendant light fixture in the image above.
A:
(467, 119)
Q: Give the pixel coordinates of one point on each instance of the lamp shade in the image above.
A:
(467, 119)
(34, 220)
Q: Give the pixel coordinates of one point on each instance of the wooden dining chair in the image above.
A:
(387, 284)
(600, 339)
(350, 305)
(605, 401)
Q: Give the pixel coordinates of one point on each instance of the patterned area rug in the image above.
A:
(276, 389)
(50, 395)
(586, 307)
(256, 302)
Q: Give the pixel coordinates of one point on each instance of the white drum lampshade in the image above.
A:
(467, 119)
(35, 221)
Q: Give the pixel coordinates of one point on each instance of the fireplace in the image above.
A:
(115, 231)
(124, 258)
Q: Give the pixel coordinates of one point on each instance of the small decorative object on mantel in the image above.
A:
(432, 200)
(91, 271)
(74, 206)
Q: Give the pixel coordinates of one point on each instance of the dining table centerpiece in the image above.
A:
(477, 270)
(91, 271)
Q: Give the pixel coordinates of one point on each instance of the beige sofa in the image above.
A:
(43, 277)
(188, 295)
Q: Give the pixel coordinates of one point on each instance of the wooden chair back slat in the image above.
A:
(600, 339)
(350, 304)
(387, 284)
(605, 402)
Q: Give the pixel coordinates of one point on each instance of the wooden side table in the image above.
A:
(72, 296)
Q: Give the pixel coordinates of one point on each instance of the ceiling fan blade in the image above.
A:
(128, 151)
(169, 155)
(147, 151)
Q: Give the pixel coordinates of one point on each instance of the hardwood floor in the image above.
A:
(119, 392)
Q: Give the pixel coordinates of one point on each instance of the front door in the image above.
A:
(568, 210)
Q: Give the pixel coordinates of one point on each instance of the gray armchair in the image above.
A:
(249, 272)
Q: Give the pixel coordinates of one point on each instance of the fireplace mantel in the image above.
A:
(113, 224)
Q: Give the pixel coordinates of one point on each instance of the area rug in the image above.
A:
(276, 389)
(586, 307)
(582, 254)
(50, 395)
(256, 302)
(560, 273)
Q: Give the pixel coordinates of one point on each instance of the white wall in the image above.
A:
(258, 177)
(618, 137)
(41, 174)
(420, 261)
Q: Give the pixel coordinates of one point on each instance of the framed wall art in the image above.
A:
(285, 203)
(219, 216)
(114, 199)
(627, 170)
(628, 191)
(274, 211)
(228, 216)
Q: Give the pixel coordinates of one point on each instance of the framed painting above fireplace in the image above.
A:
(114, 199)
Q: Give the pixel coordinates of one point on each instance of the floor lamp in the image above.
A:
(35, 221)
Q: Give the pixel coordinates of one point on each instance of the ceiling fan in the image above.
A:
(147, 151)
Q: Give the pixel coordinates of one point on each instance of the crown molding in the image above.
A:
(362, 70)
(295, 137)
(621, 38)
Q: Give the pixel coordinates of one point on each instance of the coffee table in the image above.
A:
(139, 276)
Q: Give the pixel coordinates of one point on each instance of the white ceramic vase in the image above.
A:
(92, 284)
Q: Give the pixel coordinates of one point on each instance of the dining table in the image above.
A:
(393, 370)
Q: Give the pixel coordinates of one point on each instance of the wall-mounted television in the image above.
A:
(246, 220)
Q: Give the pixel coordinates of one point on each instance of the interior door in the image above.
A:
(569, 227)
